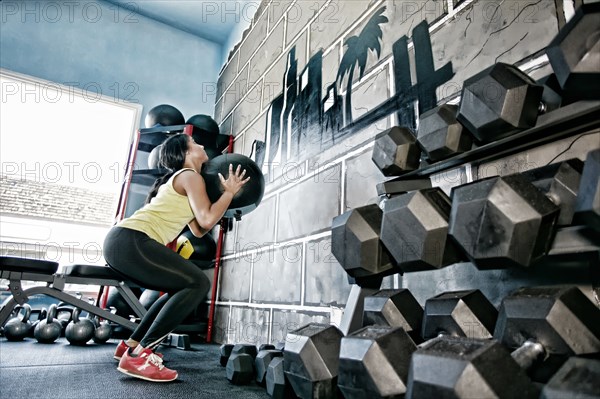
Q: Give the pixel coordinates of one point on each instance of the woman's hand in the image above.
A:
(234, 181)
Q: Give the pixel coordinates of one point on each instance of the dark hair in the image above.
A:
(172, 157)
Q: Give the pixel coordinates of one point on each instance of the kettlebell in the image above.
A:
(47, 331)
(40, 314)
(17, 328)
(64, 314)
(79, 331)
(103, 331)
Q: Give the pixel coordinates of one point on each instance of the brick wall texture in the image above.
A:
(286, 85)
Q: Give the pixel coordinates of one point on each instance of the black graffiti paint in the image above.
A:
(300, 124)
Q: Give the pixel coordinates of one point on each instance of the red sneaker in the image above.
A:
(147, 366)
(122, 347)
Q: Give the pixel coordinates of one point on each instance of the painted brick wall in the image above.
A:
(278, 272)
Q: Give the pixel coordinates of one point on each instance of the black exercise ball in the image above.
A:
(196, 248)
(164, 115)
(250, 195)
(205, 129)
(116, 301)
(154, 157)
(212, 152)
(148, 298)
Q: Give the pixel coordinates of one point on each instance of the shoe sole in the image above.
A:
(144, 378)
(119, 358)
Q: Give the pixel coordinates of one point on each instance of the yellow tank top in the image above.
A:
(165, 216)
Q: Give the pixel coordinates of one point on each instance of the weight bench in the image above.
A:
(17, 270)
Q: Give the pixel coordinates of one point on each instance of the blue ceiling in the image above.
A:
(211, 20)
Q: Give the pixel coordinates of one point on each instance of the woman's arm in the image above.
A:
(208, 214)
(195, 228)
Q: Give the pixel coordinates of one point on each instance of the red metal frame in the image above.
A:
(213, 299)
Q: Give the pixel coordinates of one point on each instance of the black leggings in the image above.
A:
(152, 265)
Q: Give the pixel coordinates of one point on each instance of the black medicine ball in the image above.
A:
(250, 195)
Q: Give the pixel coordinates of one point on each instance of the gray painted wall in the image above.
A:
(106, 49)
(278, 271)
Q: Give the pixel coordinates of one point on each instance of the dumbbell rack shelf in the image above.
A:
(564, 122)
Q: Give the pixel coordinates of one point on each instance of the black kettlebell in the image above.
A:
(17, 328)
(47, 331)
(79, 331)
(64, 314)
(40, 315)
(103, 331)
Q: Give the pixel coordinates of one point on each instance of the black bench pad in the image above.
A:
(92, 271)
(25, 265)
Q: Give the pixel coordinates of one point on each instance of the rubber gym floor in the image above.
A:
(29, 369)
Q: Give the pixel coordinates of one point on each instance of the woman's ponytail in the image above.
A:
(157, 183)
(171, 157)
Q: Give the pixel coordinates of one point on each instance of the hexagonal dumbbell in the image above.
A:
(240, 365)
(278, 386)
(355, 244)
(574, 52)
(499, 101)
(578, 378)
(394, 308)
(458, 367)
(502, 221)
(261, 363)
(311, 359)
(440, 135)
(374, 362)
(396, 151)
(414, 229)
(465, 313)
(587, 207)
(545, 321)
(560, 183)
(224, 353)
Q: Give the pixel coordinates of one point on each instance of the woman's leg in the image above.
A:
(154, 266)
(149, 317)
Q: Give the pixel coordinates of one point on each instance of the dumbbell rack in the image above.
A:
(574, 246)
(561, 123)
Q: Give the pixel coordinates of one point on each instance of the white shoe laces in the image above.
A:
(155, 360)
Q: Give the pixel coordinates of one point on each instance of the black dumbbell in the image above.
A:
(414, 229)
(311, 359)
(579, 377)
(587, 207)
(240, 365)
(498, 102)
(262, 361)
(356, 245)
(440, 135)
(396, 152)
(502, 221)
(374, 361)
(278, 386)
(560, 182)
(540, 322)
(511, 220)
(573, 54)
(224, 353)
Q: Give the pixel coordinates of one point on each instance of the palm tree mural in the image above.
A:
(356, 53)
